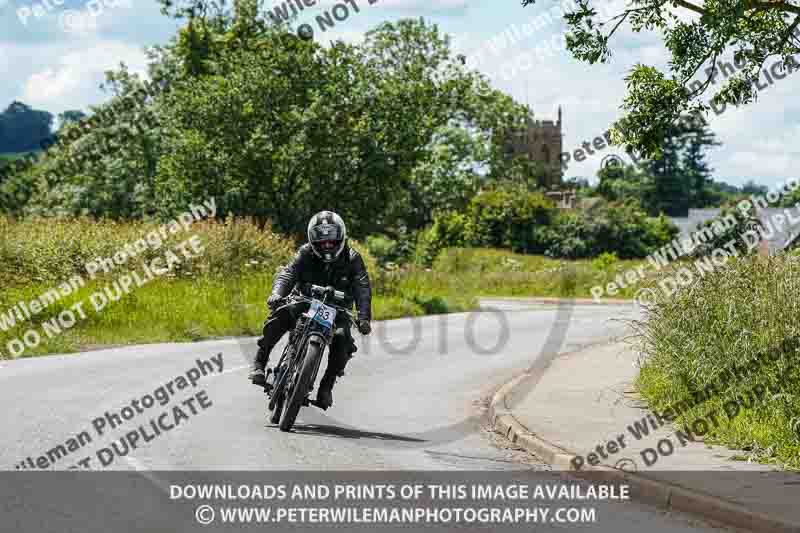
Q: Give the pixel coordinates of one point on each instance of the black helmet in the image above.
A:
(327, 235)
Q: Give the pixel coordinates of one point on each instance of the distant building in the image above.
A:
(541, 141)
(775, 239)
(564, 199)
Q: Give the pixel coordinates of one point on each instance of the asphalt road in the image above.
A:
(412, 399)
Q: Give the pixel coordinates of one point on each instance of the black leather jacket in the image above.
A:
(348, 273)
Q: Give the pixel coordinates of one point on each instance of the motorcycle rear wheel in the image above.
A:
(302, 386)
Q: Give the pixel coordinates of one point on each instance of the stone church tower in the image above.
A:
(542, 141)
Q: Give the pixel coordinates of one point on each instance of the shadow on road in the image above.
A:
(349, 433)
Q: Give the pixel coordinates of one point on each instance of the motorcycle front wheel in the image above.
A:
(276, 411)
(302, 386)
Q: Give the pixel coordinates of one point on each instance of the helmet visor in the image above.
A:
(325, 232)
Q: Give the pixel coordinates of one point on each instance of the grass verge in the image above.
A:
(166, 310)
(699, 347)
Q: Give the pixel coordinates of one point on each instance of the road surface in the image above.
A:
(412, 399)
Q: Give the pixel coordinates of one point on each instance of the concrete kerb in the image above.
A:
(647, 490)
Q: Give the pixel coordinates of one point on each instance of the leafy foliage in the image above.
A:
(622, 229)
(276, 127)
(674, 181)
(697, 35)
(506, 217)
(512, 218)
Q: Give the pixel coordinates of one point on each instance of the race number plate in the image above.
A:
(322, 313)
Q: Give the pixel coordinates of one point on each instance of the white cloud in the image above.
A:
(429, 5)
(72, 80)
(54, 70)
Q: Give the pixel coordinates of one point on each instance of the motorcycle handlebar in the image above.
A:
(322, 291)
(284, 302)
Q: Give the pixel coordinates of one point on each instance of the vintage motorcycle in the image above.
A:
(290, 385)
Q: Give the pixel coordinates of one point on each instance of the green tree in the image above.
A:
(620, 228)
(697, 35)
(672, 182)
(698, 138)
(276, 127)
(23, 128)
(73, 115)
(105, 164)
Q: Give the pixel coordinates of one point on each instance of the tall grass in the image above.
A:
(726, 320)
(222, 292)
(460, 275)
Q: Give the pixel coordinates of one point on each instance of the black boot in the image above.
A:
(257, 375)
(325, 391)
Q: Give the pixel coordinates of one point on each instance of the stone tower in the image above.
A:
(542, 141)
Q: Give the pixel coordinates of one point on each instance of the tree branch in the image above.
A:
(789, 32)
(711, 75)
(620, 21)
(770, 5)
(691, 7)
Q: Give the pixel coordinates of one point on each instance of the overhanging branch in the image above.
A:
(691, 7)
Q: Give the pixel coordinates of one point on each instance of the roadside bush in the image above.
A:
(448, 229)
(721, 321)
(526, 222)
(369, 260)
(382, 247)
(605, 261)
(397, 248)
(622, 229)
(505, 218)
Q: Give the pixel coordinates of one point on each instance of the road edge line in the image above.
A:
(659, 493)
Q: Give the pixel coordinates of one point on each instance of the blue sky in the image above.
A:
(55, 61)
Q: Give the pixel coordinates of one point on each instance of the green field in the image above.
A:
(223, 291)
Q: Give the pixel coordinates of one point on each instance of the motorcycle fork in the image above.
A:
(317, 338)
(287, 357)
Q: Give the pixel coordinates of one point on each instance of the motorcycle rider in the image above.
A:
(328, 261)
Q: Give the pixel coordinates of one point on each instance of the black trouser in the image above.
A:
(278, 323)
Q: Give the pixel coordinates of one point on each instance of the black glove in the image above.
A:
(364, 327)
(274, 301)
